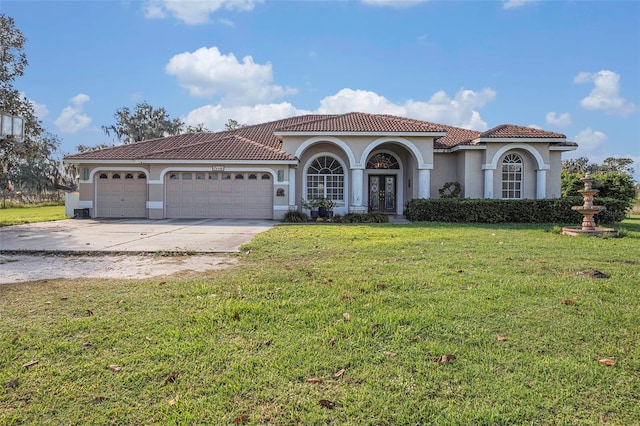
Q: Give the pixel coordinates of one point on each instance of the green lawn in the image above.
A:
(341, 325)
(19, 215)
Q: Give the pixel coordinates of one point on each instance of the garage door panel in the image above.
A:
(121, 194)
(219, 198)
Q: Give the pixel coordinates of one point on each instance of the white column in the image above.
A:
(488, 183)
(424, 183)
(292, 188)
(357, 185)
(541, 184)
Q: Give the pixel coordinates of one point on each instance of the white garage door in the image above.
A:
(246, 195)
(121, 194)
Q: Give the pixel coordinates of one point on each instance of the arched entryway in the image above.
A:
(383, 169)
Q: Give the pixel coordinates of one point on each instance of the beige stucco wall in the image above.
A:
(554, 175)
(445, 166)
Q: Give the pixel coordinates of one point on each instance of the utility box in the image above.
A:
(81, 214)
(71, 203)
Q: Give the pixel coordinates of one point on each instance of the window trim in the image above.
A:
(512, 188)
(344, 175)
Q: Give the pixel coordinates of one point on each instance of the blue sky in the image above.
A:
(571, 67)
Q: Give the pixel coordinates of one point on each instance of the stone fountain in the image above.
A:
(588, 210)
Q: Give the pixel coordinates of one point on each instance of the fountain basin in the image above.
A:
(595, 232)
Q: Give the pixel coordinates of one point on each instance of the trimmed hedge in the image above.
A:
(364, 218)
(511, 211)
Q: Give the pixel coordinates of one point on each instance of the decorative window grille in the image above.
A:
(325, 179)
(512, 166)
(382, 161)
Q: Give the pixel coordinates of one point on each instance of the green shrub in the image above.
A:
(609, 185)
(294, 216)
(364, 218)
(511, 211)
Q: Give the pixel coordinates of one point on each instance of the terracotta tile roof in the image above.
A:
(261, 142)
(363, 122)
(233, 147)
(456, 136)
(513, 131)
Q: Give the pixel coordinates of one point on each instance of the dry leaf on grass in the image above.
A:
(12, 384)
(242, 418)
(171, 377)
(314, 380)
(391, 354)
(446, 358)
(568, 302)
(327, 404)
(501, 338)
(174, 400)
(30, 363)
(608, 362)
(346, 316)
(267, 342)
(338, 373)
(331, 341)
(114, 368)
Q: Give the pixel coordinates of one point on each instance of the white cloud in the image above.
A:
(194, 12)
(590, 140)
(71, 119)
(561, 120)
(458, 111)
(394, 3)
(512, 4)
(41, 110)
(207, 73)
(216, 116)
(535, 126)
(605, 94)
(227, 23)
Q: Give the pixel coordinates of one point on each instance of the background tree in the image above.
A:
(613, 178)
(144, 123)
(35, 150)
(232, 125)
(198, 128)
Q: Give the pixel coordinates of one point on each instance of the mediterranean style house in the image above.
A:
(364, 162)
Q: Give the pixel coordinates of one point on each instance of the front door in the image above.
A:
(382, 193)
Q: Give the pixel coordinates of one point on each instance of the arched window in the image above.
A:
(512, 176)
(383, 161)
(128, 176)
(266, 176)
(239, 176)
(115, 176)
(253, 176)
(325, 179)
(103, 176)
(142, 176)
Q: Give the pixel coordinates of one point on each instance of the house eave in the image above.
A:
(525, 140)
(387, 134)
(170, 161)
(562, 148)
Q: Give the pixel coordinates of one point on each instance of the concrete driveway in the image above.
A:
(132, 235)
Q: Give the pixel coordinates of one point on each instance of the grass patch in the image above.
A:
(517, 305)
(20, 215)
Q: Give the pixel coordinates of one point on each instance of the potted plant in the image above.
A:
(312, 206)
(325, 207)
